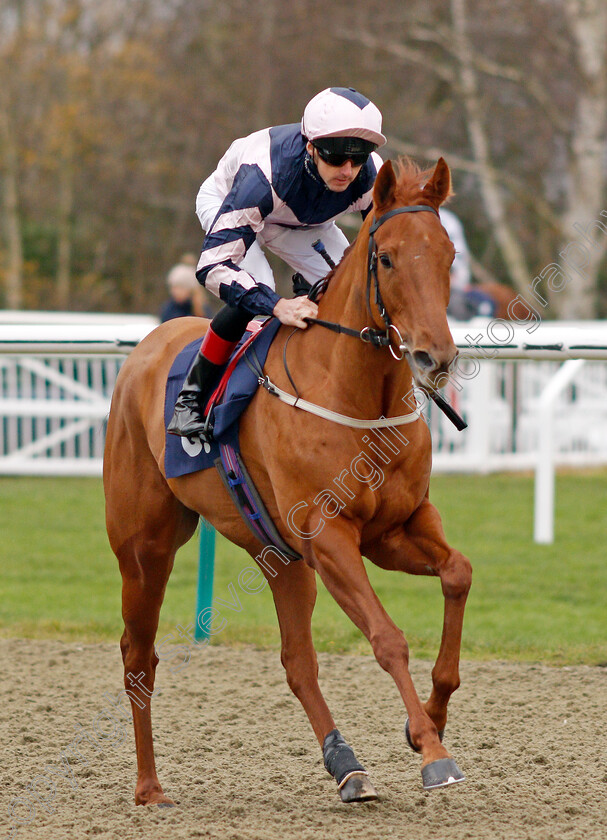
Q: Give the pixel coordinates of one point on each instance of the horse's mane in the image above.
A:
(410, 181)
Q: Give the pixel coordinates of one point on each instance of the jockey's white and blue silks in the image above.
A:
(266, 191)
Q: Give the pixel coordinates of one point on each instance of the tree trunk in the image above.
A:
(267, 27)
(584, 228)
(64, 231)
(511, 251)
(14, 244)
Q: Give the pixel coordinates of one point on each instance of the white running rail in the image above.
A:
(527, 406)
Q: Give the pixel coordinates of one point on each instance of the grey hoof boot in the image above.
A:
(351, 777)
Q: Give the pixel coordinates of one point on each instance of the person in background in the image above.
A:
(187, 297)
(460, 270)
(466, 301)
(280, 188)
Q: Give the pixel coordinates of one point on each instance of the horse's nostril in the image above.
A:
(423, 360)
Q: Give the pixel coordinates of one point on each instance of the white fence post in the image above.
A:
(480, 395)
(543, 531)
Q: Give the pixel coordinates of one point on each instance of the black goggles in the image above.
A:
(339, 158)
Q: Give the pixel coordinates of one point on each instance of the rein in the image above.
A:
(369, 335)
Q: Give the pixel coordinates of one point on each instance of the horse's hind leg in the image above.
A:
(420, 547)
(146, 525)
(294, 591)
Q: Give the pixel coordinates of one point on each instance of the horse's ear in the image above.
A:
(385, 185)
(438, 187)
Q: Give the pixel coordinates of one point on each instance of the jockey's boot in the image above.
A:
(189, 415)
(224, 333)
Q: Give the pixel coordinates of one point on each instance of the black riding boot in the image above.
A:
(188, 417)
(225, 331)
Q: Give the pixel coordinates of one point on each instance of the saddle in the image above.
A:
(233, 392)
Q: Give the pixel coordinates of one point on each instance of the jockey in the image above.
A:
(281, 188)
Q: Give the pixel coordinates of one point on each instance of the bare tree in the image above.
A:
(585, 193)
(552, 90)
(11, 20)
(13, 235)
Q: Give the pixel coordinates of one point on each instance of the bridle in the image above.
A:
(372, 274)
(371, 335)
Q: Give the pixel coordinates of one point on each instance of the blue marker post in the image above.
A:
(206, 571)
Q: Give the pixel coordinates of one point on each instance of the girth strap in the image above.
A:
(248, 502)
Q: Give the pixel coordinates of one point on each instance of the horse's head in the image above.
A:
(413, 258)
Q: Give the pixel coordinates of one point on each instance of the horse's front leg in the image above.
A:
(294, 591)
(419, 547)
(335, 555)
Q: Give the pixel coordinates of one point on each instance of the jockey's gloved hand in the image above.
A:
(300, 285)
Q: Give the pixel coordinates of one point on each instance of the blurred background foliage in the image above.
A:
(112, 114)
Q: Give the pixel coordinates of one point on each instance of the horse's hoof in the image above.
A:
(157, 798)
(410, 742)
(358, 788)
(441, 773)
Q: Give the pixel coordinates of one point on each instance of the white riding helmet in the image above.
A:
(342, 112)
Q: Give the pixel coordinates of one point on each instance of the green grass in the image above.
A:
(60, 579)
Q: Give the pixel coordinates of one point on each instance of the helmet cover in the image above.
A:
(342, 112)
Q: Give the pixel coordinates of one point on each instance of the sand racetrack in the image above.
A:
(235, 750)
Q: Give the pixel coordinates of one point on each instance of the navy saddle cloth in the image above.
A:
(182, 456)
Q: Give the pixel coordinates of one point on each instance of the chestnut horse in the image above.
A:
(380, 510)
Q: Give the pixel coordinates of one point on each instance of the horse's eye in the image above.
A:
(385, 260)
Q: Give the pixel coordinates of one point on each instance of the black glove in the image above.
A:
(300, 285)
